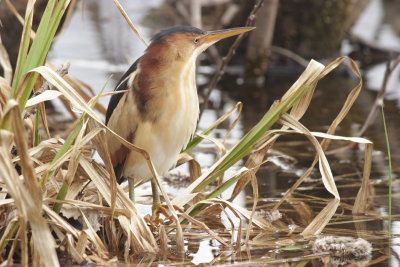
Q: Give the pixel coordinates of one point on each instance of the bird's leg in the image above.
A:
(156, 200)
(131, 185)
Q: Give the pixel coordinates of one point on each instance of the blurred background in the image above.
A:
(100, 45)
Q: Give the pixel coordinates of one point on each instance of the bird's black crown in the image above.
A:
(177, 29)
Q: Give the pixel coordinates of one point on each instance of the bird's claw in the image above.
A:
(156, 210)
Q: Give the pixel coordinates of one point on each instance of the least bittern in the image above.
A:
(160, 109)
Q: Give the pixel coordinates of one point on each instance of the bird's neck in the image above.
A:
(166, 81)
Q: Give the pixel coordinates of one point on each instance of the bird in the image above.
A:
(158, 107)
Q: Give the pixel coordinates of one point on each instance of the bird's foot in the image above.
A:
(155, 220)
(158, 209)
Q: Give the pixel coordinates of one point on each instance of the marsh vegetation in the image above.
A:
(288, 176)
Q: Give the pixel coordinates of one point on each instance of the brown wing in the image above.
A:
(121, 85)
(121, 118)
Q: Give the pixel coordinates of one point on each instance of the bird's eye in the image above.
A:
(196, 40)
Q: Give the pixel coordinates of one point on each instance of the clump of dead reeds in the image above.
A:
(341, 246)
(55, 199)
(344, 249)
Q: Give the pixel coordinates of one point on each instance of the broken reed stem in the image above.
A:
(361, 203)
(255, 202)
(217, 76)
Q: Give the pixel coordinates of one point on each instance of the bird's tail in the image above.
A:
(118, 172)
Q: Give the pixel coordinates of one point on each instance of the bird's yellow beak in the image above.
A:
(214, 36)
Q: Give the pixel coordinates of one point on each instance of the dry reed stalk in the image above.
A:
(253, 163)
(27, 196)
(5, 89)
(307, 79)
(203, 226)
(257, 220)
(299, 110)
(361, 203)
(5, 64)
(130, 23)
(14, 11)
(235, 109)
(320, 221)
(255, 202)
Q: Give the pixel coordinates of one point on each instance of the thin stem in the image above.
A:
(228, 57)
(390, 176)
(390, 67)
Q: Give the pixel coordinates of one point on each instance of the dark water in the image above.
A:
(99, 43)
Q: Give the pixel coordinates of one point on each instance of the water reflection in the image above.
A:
(204, 253)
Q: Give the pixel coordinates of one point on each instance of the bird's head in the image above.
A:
(185, 43)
